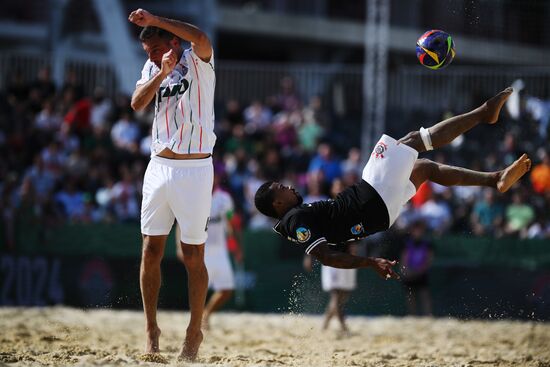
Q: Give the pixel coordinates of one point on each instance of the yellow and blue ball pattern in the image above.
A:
(435, 49)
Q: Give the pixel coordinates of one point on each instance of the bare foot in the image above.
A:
(508, 176)
(152, 345)
(191, 345)
(491, 108)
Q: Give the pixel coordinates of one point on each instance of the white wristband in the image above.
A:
(426, 138)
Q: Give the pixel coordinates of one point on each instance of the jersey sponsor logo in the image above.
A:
(303, 234)
(174, 90)
(379, 150)
(357, 229)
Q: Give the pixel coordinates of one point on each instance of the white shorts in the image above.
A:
(388, 171)
(181, 190)
(220, 272)
(338, 279)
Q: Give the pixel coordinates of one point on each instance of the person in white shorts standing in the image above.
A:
(390, 178)
(221, 277)
(339, 283)
(178, 180)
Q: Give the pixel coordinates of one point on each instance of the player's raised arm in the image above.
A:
(143, 95)
(343, 260)
(188, 32)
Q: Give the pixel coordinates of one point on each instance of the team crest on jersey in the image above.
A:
(303, 234)
(357, 229)
(379, 150)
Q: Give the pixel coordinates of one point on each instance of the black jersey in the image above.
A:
(356, 212)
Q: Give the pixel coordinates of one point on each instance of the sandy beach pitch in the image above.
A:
(72, 337)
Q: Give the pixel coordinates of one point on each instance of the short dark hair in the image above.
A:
(150, 31)
(264, 200)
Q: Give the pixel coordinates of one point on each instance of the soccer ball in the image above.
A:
(435, 49)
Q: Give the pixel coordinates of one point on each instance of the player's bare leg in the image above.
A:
(152, 252)
(216, 301)
(193, 258)
(425, 169)
(332, 308)
(343, 297)
(446, 131)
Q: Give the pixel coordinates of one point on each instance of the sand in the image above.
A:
(103, 337)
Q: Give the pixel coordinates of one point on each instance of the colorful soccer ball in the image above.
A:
(435, 49)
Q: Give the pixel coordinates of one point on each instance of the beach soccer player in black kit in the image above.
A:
(390, 178)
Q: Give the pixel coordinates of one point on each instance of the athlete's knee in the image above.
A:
(152, 250)
(424, 167)
(422, 171)
(413, 140)
(193, 255)
(424, 164)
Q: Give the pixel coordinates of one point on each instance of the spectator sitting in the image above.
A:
(101, 110)
(325, 161)
(257, 117)
(314, 112)
(77, 163)
(239, 140)
(487, 215)
(125, 133)
(519, 215)
(48, 119)
(539, 229)
(437, 214)
(104, 198)
(288, 99)
(540, 111)
(145, 144)
(54, 159)
(77, 119)
(124, 196)
(540, 174)
(309, 133)
(314, 189)
(353, 163)
(71, 201)
(285, 132)
(42, 180)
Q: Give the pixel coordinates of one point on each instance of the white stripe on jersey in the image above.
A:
(184, 106)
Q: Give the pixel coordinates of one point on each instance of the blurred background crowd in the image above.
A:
(74, 157)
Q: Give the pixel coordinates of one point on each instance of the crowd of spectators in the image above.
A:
(69, 157)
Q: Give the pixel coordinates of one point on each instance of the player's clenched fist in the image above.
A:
(141, 17)
(168, 62)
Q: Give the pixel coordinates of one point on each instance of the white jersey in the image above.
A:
(184, 106)
(216, 255)
(222, 206)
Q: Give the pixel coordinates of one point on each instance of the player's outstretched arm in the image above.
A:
(199, 40)
(342, 260)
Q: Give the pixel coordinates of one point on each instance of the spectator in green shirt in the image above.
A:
(519, 215)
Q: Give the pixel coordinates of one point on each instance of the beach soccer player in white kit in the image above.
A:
(178, 180)
(221, 277)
